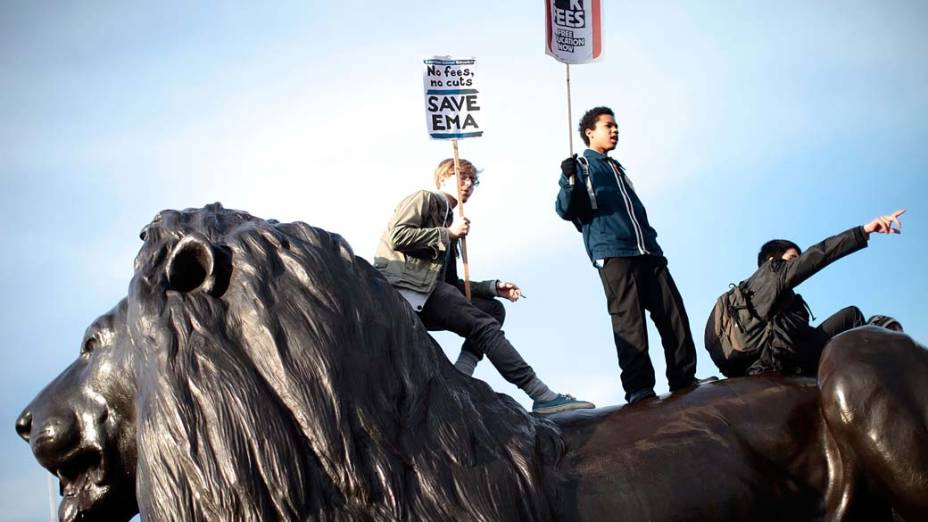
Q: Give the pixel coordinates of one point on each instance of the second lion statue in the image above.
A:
(261, 371)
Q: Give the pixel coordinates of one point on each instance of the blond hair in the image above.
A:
(445, 170)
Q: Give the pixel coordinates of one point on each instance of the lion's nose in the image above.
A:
(50, 437)
(24, 425)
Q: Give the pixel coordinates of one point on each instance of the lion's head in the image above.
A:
(260, 371)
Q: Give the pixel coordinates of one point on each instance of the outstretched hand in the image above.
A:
(508, 290)
(884, 224)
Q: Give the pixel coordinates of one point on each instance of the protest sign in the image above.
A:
(452, 105)
(573, 30)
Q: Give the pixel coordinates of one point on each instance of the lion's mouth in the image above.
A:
(82, 482)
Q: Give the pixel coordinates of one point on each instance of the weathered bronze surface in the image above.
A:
(261, 371)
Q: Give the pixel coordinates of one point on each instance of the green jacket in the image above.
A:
(414, 248)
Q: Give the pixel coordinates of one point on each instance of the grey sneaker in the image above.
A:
(562, 402)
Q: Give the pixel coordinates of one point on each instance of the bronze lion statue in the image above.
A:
(261, 371)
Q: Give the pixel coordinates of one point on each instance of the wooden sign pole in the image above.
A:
(457, 171)
(570, 118)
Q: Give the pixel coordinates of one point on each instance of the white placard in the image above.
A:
(452, 100)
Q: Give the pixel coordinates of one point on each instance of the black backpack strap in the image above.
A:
(585, 165)
(806, 306)
(748, 305)
(731, 309)
(748, 301)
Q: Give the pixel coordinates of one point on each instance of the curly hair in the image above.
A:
(588, 121)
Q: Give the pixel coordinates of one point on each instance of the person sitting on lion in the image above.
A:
(762, 326)
(417, 255)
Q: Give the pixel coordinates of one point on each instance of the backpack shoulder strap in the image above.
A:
(805, 305)
(585, 165)
(744, 296)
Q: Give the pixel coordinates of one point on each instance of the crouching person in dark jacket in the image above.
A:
(774, 324)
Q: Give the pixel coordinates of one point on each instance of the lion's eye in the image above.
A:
(89, 346)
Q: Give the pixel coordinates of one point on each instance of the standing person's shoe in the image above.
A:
(640, 395)
(562, 402)
(695, 382)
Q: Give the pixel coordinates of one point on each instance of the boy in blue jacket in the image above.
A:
(598, 197)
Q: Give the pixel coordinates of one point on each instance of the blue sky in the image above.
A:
(740, 121)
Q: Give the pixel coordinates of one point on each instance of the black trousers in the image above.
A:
(803, 356)
(636, 284)
(479, 322)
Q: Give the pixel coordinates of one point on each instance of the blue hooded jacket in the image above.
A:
(614, 222)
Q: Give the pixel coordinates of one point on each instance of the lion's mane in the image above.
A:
(297, 384)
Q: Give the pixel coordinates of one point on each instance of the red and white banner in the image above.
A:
(573, 30)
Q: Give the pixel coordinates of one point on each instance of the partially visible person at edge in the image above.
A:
(787, 343)
(596, 194)
(417, 255)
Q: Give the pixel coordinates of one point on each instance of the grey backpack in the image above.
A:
(733, 327)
